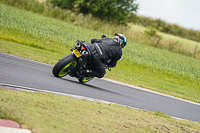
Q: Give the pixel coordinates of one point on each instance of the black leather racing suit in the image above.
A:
(102, 50)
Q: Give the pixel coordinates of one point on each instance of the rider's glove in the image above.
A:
(93, 40)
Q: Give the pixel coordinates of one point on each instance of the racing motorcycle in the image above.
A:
(72, 64)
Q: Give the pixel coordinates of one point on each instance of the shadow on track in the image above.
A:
(88, 85)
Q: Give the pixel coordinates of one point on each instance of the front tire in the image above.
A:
(61, 68)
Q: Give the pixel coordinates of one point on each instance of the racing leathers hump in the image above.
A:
(107, 49)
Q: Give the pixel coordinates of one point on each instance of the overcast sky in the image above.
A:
(185, 13)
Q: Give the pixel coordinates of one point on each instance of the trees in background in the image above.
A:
(123, 12)
(111, 10)
(165, 27)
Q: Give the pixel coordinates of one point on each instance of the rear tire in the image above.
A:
(85, 79)
(60, 69)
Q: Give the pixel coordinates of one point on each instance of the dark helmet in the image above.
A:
(103, 36)
(121, 39)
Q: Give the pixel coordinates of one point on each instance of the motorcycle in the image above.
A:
(72, 64)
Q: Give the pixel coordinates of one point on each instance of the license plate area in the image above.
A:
(77, 53)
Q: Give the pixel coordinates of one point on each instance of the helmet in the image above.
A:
(121, 39)
(103, 36)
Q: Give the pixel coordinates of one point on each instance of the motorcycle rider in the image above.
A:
(102, 50)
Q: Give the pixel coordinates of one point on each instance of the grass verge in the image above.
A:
(49, 113)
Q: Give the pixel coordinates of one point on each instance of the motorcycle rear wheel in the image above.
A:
(85, 79)
(61, 68)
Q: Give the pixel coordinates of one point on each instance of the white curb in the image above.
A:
(13, 130)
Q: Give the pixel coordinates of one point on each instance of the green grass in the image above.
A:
(49, 113)
(28, 52)
(18, 26)
(46, 40)
(184, 43)
(132, 32)
(168, 42)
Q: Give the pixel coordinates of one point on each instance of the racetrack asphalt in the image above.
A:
(31, 74)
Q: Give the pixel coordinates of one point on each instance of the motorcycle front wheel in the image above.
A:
(62, 67)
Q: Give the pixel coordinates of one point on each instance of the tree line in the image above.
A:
(123, 12)
(165, 27)
(110, 10)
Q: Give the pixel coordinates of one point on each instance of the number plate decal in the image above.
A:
(77, 53)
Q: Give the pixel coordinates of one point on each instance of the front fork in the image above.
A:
(75, 71)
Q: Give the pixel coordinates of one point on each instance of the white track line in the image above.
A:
(151, 91)
(71, 95)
